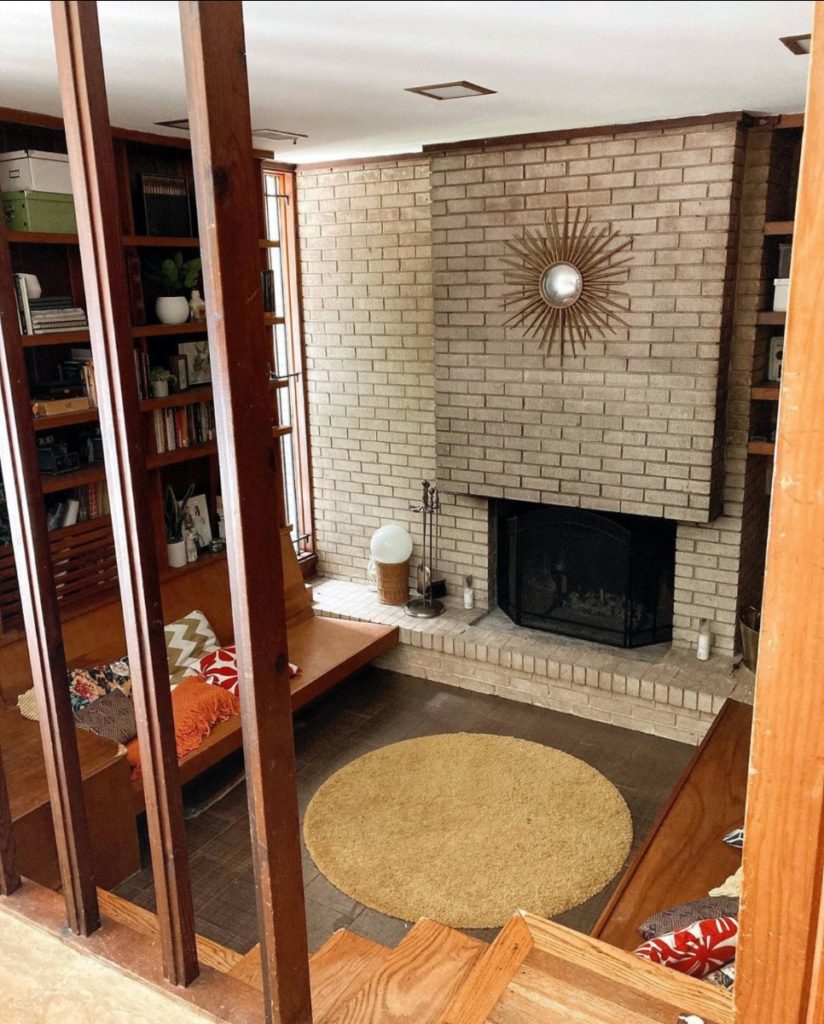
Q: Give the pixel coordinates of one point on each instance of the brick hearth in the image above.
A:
(659, 690)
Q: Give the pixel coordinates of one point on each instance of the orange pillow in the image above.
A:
(196, 707)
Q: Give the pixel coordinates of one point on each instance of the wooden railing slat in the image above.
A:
(227, 189)
(94, 185)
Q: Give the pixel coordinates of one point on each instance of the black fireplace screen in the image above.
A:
(596, 576)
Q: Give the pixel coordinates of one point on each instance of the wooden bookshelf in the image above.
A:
(769, 318)
(66, 419)
(198, 451)
(767, 392)
(40, 238)
(167, 330)
(779, 227)
(191, 396)
(161, 241)
(79, 478)
(56, 338)
(761, 447)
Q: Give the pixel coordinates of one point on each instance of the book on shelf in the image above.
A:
(141, 365)
(184, 426)
(49, 315)
(78, 505)
(79, 370)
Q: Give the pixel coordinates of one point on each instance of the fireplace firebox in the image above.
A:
(592, 575)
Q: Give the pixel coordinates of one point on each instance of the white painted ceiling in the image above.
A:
(337, 71)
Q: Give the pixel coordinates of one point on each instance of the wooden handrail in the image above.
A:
(226, 186)
(94, 184)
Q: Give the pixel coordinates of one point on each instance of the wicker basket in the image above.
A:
(393, 582)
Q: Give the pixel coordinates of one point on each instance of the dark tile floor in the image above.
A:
(371, 711)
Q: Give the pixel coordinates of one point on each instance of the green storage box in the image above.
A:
(39, 211)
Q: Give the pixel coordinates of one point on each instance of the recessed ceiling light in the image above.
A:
(278, 135)
(182, 124)
(799, 45)
(451, 90)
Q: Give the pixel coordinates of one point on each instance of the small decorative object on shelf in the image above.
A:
(704, 640)
(217, 545)
(180, 372)
(566, 281)
(174, 512)
(197, 511)
(191, 545)
(175, 276)
(198, 364)
(468, 593)
(428, 606)
(775, 357)
(160, 381)
(197, 308)
(390, 548)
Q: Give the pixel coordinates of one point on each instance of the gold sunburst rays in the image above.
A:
(566, 281)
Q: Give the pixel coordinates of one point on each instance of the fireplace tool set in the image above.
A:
(428, 605)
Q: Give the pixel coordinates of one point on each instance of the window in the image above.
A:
(288, 362)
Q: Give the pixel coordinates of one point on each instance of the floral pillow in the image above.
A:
(87, 684)
(698, 950)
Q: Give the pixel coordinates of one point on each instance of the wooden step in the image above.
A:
(341, 967)
(489, 977)
(416, 981)
(568, 978)
(145, 923)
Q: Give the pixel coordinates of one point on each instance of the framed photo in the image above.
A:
(198, 367)
(198, 513)
(179, 367)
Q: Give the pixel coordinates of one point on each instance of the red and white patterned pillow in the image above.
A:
(219, 668)
(698, 950)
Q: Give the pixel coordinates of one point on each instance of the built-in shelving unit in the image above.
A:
(55, 258)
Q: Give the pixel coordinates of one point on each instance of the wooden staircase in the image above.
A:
(534, 971)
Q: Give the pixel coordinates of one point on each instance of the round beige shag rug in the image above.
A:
(467, 828)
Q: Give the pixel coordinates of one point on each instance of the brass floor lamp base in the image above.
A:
(424, 608)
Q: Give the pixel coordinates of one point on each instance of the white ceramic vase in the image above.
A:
(172, 309)
(177, 554)
(160, 388)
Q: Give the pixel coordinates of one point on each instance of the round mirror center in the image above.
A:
(561, 285)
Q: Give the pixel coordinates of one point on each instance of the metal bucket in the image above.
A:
(749, 623)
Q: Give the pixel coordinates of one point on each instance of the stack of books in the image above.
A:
(78, 505)
(184, 426)
(79, 370)
(47, 315)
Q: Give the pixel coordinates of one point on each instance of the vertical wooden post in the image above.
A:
(227, 199)
(94, 183)
(38, 597)
(779, 964)
(9, 877)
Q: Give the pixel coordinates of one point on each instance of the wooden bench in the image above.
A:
(326, 650)
(683, 857)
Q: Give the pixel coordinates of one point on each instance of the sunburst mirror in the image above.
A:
(566, 281)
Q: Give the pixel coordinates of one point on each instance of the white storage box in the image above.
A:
(782, 289)
(33, 170)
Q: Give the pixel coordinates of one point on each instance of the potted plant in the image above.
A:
(174, 511)
(161, 377)
(175, 276)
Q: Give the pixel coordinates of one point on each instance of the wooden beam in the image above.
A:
(9, 876)
(781, 929)
(227, 187)
(94, 183)
(38, 599)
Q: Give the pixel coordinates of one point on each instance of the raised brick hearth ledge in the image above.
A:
(658, 690)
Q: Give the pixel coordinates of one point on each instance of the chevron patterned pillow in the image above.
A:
(187, 640)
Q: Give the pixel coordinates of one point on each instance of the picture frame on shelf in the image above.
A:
(198, 365)
(197, 510)
(180, 368)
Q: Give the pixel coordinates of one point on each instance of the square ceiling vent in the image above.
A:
(451, 90)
